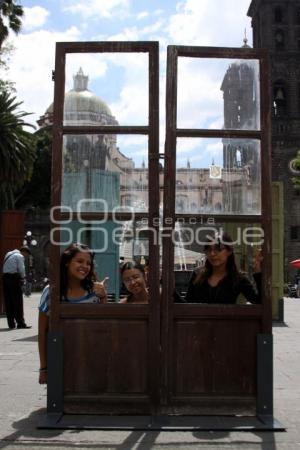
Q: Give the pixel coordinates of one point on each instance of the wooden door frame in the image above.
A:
(160, 314)
(55, 402)
(263, 311)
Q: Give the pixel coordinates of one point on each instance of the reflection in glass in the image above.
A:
(191, 240)
(99, 237)
(113, 243)
(218, 93)
(100, 174)
(216, 176)
(133, 240)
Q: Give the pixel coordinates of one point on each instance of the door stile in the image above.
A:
(56, 184)
(153, 225)
(266, 190)
(168, 220)
(178, 401)
(61, 317)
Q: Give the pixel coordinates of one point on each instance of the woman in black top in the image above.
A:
(220, 282)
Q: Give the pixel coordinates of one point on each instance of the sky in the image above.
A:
(121, 80)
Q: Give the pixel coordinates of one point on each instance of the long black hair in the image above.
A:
(65, 259)
(222, 240)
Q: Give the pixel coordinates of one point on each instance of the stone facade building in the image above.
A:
(276, 27)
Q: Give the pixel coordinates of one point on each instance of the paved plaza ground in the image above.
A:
(23, 400)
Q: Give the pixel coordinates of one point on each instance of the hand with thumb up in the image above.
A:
(100, 289)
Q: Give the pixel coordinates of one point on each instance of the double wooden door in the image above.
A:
(163, 357)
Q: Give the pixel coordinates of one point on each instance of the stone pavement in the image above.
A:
(23, 400)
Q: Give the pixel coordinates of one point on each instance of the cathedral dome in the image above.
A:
(81, 106)
(80, 98)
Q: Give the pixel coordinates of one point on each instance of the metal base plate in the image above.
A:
(159, 423)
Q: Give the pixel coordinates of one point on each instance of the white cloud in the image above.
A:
(131, 108)
(34, 17)
(142, 15)
(186, 146)
(193, 22)
(134, 146)
(97, 8)
(128, 34)
(154, 27)
(93, 65)
(202, 23)
(200, 100)
(200, 152)
(31, 67)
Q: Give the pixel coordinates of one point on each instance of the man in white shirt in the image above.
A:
(13, 277)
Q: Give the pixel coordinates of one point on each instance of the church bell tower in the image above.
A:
(276, 27)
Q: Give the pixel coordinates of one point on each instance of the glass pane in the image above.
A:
(191, 251)
(114, 243)
(106, 89)
(218, 176)
(105, 172)
(218, 94)
(133, 240)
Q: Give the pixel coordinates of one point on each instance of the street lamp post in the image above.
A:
(29, 239)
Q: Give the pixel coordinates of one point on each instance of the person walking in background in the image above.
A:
(13, 279)
(28, 284)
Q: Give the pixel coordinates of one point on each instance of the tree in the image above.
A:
(296, 169)
(10, 18)
(37, 192)
(17, 152)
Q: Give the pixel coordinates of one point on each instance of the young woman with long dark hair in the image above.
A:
(220, 281)
(77, 285)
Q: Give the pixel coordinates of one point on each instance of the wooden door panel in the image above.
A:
(105, 356)
(214, 356)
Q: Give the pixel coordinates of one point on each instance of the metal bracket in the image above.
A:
(264, 403)
(55, 372)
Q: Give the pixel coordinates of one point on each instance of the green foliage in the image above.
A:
(37, 191)
(296, 166)
(17, 152)
(10, 18)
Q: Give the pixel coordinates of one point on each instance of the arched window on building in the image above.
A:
(297, 16)
(279, 99)
(194, 207)
(279, 39)
(278, 15)
(126, 200)
(181, 203)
